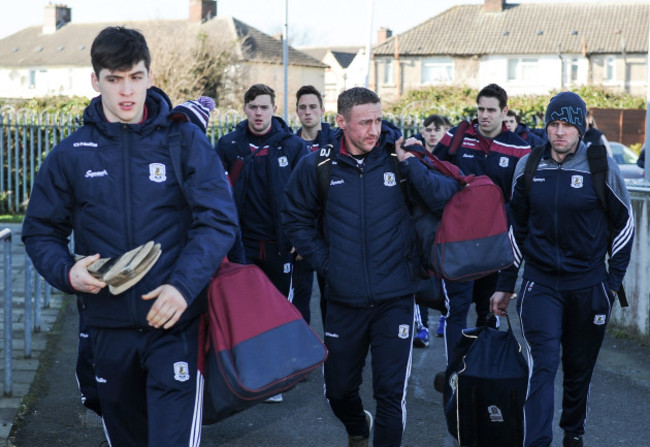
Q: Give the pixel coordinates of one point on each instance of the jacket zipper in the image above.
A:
(127, 208)
(555, 218)
(363, 233)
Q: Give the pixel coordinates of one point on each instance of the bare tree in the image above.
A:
(189, 62)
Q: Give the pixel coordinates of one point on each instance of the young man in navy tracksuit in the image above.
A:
(260, 155)
(564, 235)
(316, 134)
(487, 148)
(112, 183)
(514, 124)
(367, 253)
(433, 130)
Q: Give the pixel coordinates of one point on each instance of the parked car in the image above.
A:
(626, 159)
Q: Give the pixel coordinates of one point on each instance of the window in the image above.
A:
(573, 70)
(610, 68)
(522, 69)
(437, 70)
(37, 77)
(388, 71)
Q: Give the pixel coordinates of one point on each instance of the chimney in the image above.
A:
(494, 5)
(202, 10)
(55, 17)
(383, 34)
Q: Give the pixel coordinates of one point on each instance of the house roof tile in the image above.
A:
(70, 45)
(527, 29)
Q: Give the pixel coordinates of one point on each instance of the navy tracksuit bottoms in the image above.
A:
(277, 266)
(149, 388)
(459, 297)
(303, 281)
(386, 329)
(575, 321)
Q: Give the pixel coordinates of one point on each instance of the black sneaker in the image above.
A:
(572, 440)
(439, 382)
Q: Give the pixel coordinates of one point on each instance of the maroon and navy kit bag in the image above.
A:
(256, 342)
(472, 239)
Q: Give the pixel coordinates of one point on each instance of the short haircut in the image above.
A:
(309, 90)
(513, 113)
(256, 90)
(118, 48)
(494, 91)
(353, 97)
(437, 121)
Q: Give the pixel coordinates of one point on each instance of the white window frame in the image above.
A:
(523, 69)
(388, 77)
(610, 68)
(437, 70)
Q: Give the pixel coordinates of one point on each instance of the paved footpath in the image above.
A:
(620, 400)
(24, 367)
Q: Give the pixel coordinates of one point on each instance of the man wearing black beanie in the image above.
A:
(564, 235)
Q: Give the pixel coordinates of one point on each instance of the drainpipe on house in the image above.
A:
(371, 13)
(398, 67)
(559, 54)
(285, 61)
(647, 94)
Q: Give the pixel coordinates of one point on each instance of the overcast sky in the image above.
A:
(311, 22)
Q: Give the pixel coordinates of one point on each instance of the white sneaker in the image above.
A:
(275, 399)
(360, 441)
(369, 420)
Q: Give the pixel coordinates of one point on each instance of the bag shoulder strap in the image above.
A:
(400, 180)
(598, 167)
(175, 148)
(597, 158)
(458, 137)
(532, 162)
(324, 173)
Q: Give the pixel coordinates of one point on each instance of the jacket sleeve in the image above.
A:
(621, 222)
(517, 212)
(300, 214)
(431, 187)
(301, 150)
(48, 224)
(213, 230)
(220, 149)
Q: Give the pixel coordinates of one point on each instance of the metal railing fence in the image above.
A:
(26, 138)
(5, 237)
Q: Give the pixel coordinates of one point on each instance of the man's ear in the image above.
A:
(151, 78)
(94, 81)
(340, 121)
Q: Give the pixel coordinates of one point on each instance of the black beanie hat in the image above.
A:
(567, 107)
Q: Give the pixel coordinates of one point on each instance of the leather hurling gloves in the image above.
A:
(124, 271)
